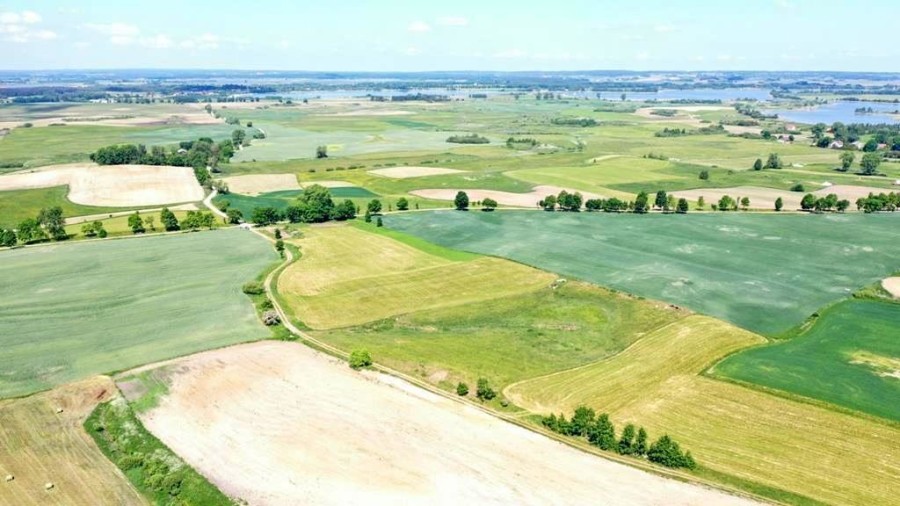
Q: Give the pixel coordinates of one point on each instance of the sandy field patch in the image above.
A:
(892, 285)
(405, 172)
(278, 423)
(329, 184)
(764, 198)
(737, 129)
(112, 185)
(371, 112)
(39, 445)
(254, 184)
(529, 199)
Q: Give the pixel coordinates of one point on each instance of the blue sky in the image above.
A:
(459, 35)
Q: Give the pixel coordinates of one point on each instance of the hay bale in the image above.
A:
(48, 485)
(10, 477)
(59, 410)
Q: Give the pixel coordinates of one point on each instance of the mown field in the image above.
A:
(118, 225)
(280, 200)
(349, 275)
(88, 308)
(18, 205)
(757, 271)
(849, 357)
(787, 445)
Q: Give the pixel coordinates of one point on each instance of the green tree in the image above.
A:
(665, 451)
(346, 210)
(368, 217)
(870, 146)
(263, 216)
(360, 359)
(488, 204)
(779, 204)
(798, 187)
(870, 163)
(842, 205)
(279, 247)
(847, 158)
(315, 204)
(774, 162)
(704, 175)
(758, 164)
(322, 152)
(402, 204)
(207, 220)
(379, 222)
(745, 203)
(8, 238)
(484, 391)
(168, 220)
(661, 199)
(603, 433)
(642, 203)
(277, 233)
(640, 444)
(549, 203)
(462, 389)
(54, 222)
(237, 136)
(726, 203)
(626, 442)
(150, 222)
(88, 230)
(701, 202)
(136, 223)
(374, 206)
(808, 202)
(461, 201)
(682, 206)
(234, 216)
(29, 231)
(582, 421)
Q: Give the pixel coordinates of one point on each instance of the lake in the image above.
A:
(843, 111)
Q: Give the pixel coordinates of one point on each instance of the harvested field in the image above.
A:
(764, 198)
(529, 199)
(254, 184)
(278, 423)
(816, 452)
(329, 184)
(380, 277)
(407, 172)
(892, 285)
(112, 185)
(39, 445)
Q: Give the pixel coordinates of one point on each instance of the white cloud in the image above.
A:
(19, 27)
(419, 27)
(120, 34)
(207, 41)
(158, 41)
(453, 21)
(724, 57)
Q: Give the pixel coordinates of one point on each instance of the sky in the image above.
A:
(394, 35)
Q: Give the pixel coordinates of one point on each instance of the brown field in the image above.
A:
(407, 172)
(278, 423)
(124, 115)
(329, 184)
(112, 186)
(764, 198)
(254, 184)
(529, 199)
(39, 445)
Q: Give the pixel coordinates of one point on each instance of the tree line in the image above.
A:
(468, 139)
(572, 202)
(881, 202)
(600, 432)
(50, 223)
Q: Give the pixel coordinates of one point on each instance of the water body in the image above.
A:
(723, 94)
(841, 111)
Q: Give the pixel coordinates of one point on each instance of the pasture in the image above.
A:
(849, 357)
(280, 200)
(40, 445)
(271, 422)
(95, 307)
(792, 446)
(17, 205)
(719, 264)
(348, 276)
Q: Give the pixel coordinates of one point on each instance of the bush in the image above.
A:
(253, 288)
(360, 359)
(704, 175)
(462, 389)
(798, 188)
(270, 318)
(484, 390)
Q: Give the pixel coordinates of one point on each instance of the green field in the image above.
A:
(849, 357)
(282, 199)
(757, 271)
(18, 205)
(792, 446)
(98, 307)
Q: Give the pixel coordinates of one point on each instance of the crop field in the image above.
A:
(118, 225)
(282, 199)
(849, 357)
(40, 445)
(272, 422)
(17, 205)
(95, 307)
(378, 276)
(792, 446)
(719, 264)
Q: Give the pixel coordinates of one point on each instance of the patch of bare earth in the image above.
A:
(892, 285)
(254, 184)
(112, 185)
(406, 172)
(529, 199)
(279, 423)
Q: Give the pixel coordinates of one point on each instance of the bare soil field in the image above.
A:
(329, 184)
(254, 184)
(764, 198)
(529, 199)
(112, 185)
(371, 112)
(124, 116)
(39, 445)
(407, 172)
(279, 423)
(892, 285)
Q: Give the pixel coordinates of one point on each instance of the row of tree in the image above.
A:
(49, 224)
(461, 202)
(572, 202)
(881, 202)
(829, 202)
(773, 162)
(600, 432)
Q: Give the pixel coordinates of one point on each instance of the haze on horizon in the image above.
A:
(398, 35)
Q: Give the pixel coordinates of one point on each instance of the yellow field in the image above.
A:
(39, 446)
(348, 276)
(822, 454)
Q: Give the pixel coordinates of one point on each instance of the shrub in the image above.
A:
(462, 389)
(253, 288)
(271, 318)
(484, 390)
(798, 188)
(704, 175)
(360, 359)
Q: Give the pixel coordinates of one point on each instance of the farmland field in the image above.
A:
(850, 357)
(281, 199)
(378, 277)
(88, 308)
(17, 205)
(793, 446)
(721, 264)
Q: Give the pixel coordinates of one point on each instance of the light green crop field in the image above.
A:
(791, 446)
(97, 307)
(17, 205)
(118, 225)
(756, 271)
(849, 357)
(348, 276)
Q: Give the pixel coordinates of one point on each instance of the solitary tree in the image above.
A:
(704, 174)
(842, 205)
(682, 206)
(847, 158)
(234, 216)
(462, 389)
(136, 223)
(808, 202)
(7, 238)
(774, 162)
(484, 391)
(402, 204)
(488, 204)
(870, 163)
(758, 164)
(54, 222)
(360, 359)
(279, 247)
(461, 201)
(374, 206)
(237, 136)
(168, 220)
(322, 152)
(745, 203)
(779, 204)
(701, 202)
